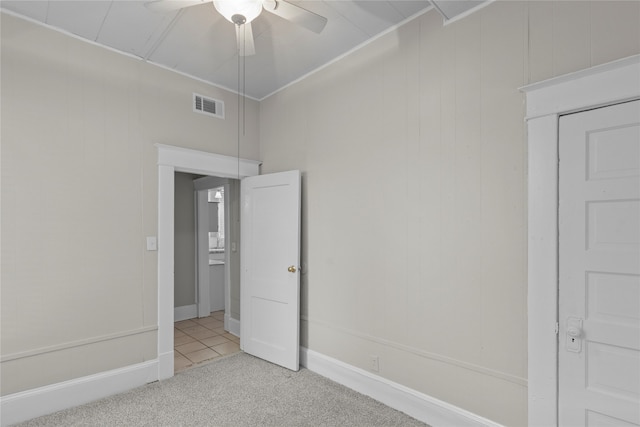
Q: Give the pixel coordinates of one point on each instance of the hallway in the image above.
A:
(197, 341)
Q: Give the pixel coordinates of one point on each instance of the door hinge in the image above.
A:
(557, 328)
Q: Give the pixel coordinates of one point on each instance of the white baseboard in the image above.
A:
(29, 404)
(45, 400)
(232, 325)
(165, 365)
(185, 312)
(418, 405)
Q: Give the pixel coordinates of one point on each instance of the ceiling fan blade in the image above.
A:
(296, 14)
(244, 36)
(171, 5)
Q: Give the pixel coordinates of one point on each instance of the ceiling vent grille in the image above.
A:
(208, 106)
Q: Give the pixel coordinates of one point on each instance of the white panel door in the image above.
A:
(270, 277)
(599, 300)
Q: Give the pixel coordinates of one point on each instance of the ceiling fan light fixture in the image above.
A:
(235, 10)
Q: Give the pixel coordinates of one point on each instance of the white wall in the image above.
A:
(79, 196)
(429, 120)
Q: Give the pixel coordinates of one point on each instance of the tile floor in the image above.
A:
(197, 341)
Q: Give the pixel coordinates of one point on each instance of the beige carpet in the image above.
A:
(237, 390)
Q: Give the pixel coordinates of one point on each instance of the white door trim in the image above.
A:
(170, 160)
(597, 86)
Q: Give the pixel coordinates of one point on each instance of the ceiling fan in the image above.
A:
(242, 12)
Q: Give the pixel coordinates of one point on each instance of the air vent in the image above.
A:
(208, 106)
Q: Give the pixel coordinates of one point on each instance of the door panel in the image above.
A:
(599, 290)
(270, 293)
(614, 298)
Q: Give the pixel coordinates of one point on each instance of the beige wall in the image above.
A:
(429, 121)
(234, 297)
(79, 195)
(184, 235)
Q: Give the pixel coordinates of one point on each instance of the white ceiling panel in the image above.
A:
(372, 17)
(409, 8)
(194, 30)
(452, 8)
(32, 9)
(296, 56)
(129, 27)
(199, 42)
(64, 14)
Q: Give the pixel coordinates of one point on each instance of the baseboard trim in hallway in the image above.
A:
(425, 408)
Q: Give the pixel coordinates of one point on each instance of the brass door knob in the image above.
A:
(292, 269)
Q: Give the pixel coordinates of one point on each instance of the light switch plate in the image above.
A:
(152, 243)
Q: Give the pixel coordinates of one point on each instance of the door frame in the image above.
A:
(173, 159)
(597, 86)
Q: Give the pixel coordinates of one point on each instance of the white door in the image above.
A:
(270, 277)
(599, 235)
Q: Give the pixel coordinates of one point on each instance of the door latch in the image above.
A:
(574, 335)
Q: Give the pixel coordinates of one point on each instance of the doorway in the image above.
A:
(217, 235)
(170, 160)
(217, 249)
(205, 270)
(185, 248)
(204, 267)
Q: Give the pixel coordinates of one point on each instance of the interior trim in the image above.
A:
(119, 52)
(78, 343)
(349, 52)
(458, 17)
(423, 407)
(173, 159)
(185, 312)
(546, 101)
(418, 352)
(45, 400)
(612, 82)
(232, 325)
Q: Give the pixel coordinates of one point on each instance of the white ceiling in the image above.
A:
(199, 42)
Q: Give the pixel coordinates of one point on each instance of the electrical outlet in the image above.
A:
(374, 363)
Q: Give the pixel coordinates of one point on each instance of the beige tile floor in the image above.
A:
(197, 341)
